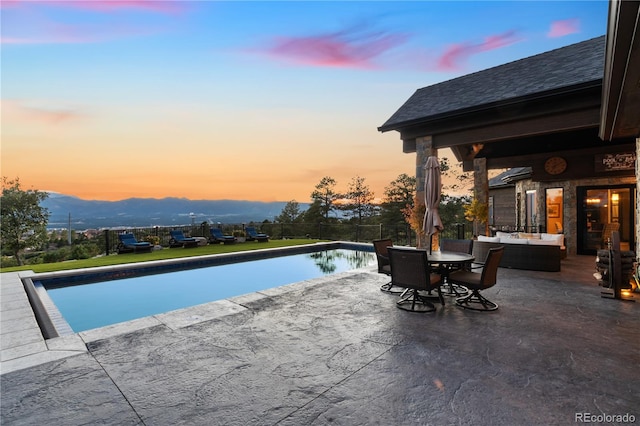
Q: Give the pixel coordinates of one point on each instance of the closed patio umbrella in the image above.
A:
(432, 186)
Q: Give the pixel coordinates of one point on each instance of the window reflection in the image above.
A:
(555, 210)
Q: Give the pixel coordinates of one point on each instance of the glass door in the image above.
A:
(601, 211)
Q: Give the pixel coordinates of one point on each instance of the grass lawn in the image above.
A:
(167, 253)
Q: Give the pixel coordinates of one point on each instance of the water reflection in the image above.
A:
(327, 261)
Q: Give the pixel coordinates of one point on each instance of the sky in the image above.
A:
(113, 99)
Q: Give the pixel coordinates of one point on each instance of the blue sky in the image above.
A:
(241, 100)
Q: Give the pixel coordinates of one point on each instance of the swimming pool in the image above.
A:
(99, 298)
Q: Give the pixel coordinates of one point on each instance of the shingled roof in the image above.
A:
(568, 66)
(508, 177)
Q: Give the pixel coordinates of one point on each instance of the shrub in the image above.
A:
(155, 240)
(8, 261)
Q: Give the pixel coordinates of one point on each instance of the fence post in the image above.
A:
(106, 242)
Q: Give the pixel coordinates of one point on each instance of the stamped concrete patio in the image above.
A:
(337, 351)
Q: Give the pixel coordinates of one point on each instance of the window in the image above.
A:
(530, 212)
(554, 210)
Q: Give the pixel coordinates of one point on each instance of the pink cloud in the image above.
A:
(163, 6)
(56, 33)
(39, 28)
(564, 28)
(343, 49)
(18, 112)
(457, 54)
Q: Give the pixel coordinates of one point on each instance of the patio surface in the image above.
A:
(337, 351)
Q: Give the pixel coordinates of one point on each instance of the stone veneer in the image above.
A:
(570, 202)
(637, 198)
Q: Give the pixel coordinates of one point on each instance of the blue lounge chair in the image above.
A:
(129, 244)
(252, 234)
(179, 240)
(218, 237)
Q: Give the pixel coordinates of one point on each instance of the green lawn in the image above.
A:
(118, 259)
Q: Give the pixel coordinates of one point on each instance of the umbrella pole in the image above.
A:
(430, 243)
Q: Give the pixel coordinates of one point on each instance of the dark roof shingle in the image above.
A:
(564, 67)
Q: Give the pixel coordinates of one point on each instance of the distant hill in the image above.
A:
(139, 212)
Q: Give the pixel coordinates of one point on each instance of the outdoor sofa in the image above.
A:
(535, 252)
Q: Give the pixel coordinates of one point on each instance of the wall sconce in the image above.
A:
(615, 197)
(477, 147)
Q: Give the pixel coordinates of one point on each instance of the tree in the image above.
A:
(313, 214)
(397, 196)
(463, 180)
(290, 213)
(325, 195)
(477, 212)
(359, 200)
(23, 220)
(452, 211)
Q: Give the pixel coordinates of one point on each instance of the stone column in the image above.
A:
(637, 197)
(424, 149)
(481, 187)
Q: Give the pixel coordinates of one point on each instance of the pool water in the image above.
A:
(98, 304)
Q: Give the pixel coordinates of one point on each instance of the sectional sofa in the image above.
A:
(536, 252)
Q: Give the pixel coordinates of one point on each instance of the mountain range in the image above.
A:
(143, 212)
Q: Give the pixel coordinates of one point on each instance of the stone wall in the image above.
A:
(637, 198)
(570, 202)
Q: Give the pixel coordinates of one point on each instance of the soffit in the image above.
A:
(620, 114)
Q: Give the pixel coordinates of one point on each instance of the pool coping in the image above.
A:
(27, 347)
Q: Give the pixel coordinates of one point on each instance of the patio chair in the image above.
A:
(129, 244)
(459, 246)
(384, 266)
(252, 235)
(218, 237)
(410, 269)
(179, 240)
(476, 281)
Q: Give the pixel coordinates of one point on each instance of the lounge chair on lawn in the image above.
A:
(218, 237)
(179, 240)
(129, 244)
(252, 234)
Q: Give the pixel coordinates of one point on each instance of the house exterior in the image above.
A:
(569, 115)
(503, 211)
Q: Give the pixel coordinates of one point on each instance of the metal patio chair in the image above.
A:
(476, 281)
(410, 269)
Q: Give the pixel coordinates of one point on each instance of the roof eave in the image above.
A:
(563, 91)
(621, 84)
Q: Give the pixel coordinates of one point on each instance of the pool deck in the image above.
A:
(336, 350)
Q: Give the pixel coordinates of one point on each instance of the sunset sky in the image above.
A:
(241, 100)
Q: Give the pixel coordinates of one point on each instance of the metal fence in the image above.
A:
(400, 233)
(513, 228)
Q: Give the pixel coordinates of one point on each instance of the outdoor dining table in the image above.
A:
(447, 261)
